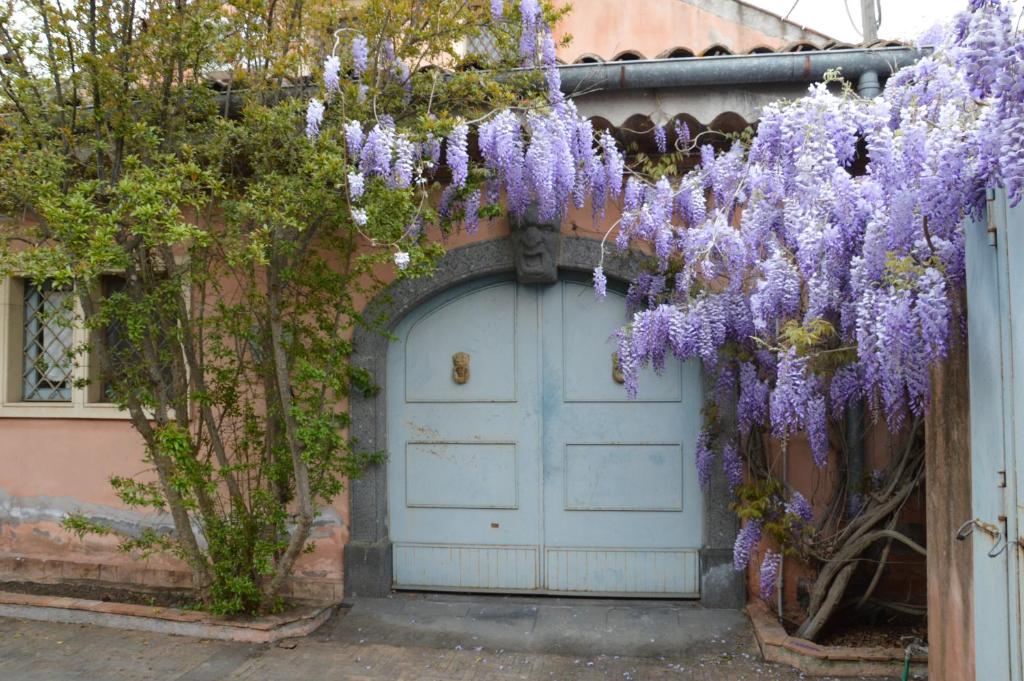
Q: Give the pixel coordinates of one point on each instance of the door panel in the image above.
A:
(537, 473)
(464, 482)
(625, 572)
(482, 325)
(587, 327)
(622, 508)
(475, 475)
(462, 567)
(627, 477)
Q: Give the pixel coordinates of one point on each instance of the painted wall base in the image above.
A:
(324, 591)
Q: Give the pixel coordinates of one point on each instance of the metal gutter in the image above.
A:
(747, 69)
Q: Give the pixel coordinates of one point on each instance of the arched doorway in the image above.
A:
(590, 493)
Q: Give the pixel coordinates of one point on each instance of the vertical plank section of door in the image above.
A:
(991, 394)
(1012, 219)
(463, 480)
(622, 509)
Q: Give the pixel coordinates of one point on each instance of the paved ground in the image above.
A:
(417, 638)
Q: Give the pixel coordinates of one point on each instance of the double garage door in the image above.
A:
(516, 461)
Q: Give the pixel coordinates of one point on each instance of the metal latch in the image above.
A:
(988, 528)
(990, 201)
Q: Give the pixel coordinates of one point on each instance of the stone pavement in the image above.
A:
(417, 638)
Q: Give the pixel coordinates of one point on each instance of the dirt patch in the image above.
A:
(873, 630)
(160, 598)
(882, 635)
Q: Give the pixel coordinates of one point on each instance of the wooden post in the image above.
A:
(948, 491)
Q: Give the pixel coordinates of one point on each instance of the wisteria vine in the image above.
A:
(813, 268)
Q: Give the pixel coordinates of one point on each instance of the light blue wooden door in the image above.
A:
(464, 470)
(622, 507)
(995, 291)
(536, 473)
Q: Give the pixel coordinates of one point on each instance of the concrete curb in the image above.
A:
(301, 621)
(810, 658)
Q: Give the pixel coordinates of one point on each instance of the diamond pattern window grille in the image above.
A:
(48, 341)
(484, 45)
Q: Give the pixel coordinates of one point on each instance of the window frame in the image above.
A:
(84, 402)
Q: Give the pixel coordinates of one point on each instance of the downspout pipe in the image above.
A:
(864, 67)
(868, 85)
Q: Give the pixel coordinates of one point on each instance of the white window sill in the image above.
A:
(62, 410)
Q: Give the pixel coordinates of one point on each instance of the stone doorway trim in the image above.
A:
(367, 556)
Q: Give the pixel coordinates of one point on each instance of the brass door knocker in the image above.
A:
(617, 374)
(460, 367)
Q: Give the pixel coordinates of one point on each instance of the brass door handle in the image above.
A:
(460, 367)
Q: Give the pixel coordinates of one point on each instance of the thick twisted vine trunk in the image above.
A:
(839, 555)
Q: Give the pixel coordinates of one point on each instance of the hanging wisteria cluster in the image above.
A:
(811, 269)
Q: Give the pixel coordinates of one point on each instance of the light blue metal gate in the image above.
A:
(995, 290)
(516, 461)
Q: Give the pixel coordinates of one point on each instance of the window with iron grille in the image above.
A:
(483, 45)
(48, 340)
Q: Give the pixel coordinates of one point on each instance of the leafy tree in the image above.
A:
(159, 164)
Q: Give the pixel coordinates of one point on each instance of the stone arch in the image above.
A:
(367, 557)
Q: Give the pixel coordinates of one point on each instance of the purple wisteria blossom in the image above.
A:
(769, 575)
(360, 56)
(796, 404)
(660, 139)
(354, 138)
(356, 185)
(472, 212)
(314, 118)
(682, 133)
(332, 69)
(405, 158)
(752, 406)
(799, 507)
(376, 155)
(497, 9)
(432, 150)
(600, 283)
(746, 543)
(530, 12)
(550, 66)
(457, 154)
(732, 464)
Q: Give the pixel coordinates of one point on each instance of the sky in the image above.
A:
(901, 19)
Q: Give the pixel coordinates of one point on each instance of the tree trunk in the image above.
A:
(303, 492)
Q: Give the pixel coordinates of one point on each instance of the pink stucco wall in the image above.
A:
(605, 28)
(49, 468)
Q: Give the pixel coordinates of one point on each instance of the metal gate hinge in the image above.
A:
(990, 201)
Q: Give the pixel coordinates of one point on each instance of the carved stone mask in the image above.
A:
(535, 245)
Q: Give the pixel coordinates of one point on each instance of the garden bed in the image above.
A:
(812, 658)
(157, 611)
